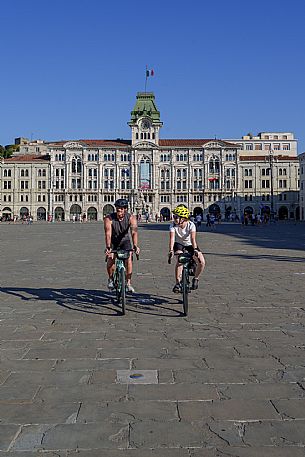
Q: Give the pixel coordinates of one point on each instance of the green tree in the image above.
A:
(8, 150)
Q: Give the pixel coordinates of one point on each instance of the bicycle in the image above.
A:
(119, 276)
(189, 267)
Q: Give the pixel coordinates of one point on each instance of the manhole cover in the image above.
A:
(137, 376)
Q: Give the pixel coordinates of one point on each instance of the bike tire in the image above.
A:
(123, 290)
(185, 291)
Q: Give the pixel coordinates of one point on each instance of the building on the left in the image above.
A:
(25, 186)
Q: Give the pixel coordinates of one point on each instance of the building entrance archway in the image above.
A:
(75, 212)
(41, 214)
(92, 214)
(6, 214)
(165, 213)
(214, 209)
(283, 213)
(108, 209)
(248, 210)
(24, 212)
(197, 211)
(59, 214)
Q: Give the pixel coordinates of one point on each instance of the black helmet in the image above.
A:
(121, 203)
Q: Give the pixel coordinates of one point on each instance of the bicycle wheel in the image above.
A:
(185, 291)
(123, 290)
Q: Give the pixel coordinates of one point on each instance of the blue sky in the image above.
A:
(71, 68)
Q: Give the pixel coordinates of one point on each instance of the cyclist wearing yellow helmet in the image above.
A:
(182, 236)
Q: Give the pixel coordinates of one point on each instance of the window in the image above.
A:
(258, 147)
(265, 183)
(249, 147)
(24, 185)
(286, 147)
(276, 146)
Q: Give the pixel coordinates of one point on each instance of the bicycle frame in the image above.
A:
(119, 276)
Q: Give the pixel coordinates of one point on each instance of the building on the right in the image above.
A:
(268, 175)
(302, 186)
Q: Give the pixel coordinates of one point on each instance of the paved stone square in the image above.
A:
(230, 376)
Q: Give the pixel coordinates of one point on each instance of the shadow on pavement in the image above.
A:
(282, 235)
(97, 301)
(277, 258)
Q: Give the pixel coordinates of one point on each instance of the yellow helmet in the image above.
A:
(182, 211)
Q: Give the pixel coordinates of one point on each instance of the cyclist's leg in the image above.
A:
(200, 265)
(110, 266)
(178, 249)
(126, 245)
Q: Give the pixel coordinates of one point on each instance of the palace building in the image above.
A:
(83, 178)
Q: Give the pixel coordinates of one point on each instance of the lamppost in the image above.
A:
(271, 159)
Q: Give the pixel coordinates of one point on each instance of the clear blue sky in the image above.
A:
(71, 68)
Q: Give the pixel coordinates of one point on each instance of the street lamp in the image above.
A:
(271, 159)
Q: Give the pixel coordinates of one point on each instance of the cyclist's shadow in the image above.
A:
(95, 301)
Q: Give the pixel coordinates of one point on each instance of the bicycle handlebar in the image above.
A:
(114, 251)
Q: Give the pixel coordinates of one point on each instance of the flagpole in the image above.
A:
(145, 79)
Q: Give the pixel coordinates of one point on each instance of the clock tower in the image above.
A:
(145, 119)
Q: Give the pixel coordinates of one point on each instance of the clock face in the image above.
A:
(145, 125)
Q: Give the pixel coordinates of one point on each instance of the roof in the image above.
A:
(95, 143)
(120, 142)
(263, 158)
(193, 142)
(28, 158)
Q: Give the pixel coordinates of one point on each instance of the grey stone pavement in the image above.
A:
(228, 380)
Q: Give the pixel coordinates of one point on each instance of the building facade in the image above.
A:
(25, 184)
(85, 177)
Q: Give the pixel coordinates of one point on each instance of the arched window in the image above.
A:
(162, 174)
(177, 157)
(233, 172)
(246, 172)
(137, 136)
(179, 174)
(227, 157)
(280, 172)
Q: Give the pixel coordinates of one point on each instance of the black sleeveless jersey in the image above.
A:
(120, 229)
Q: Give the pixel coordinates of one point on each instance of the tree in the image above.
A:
(8, 150)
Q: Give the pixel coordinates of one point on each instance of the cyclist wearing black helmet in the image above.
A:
(117, 227)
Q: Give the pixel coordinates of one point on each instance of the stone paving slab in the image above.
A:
(231, 377)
